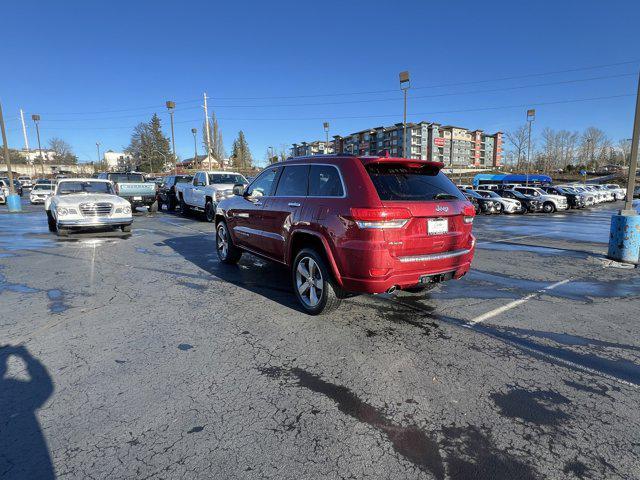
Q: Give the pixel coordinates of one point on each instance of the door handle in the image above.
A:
(293, 204)
(259, 204)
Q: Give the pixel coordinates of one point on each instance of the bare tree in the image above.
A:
(593, 146)
(62, 152)
(625, 148)
(518, 139)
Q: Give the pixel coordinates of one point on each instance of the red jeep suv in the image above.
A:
(345, 224)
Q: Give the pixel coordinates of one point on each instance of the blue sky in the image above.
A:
(95, 69)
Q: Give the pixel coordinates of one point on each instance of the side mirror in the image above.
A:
(238, 189)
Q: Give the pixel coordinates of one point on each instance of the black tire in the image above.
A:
(499, 208)
(126, 228)
(231, 255)
(548, 207)
(330, 294)
(51, 222)
(153, 208)
(133, 209)
(209, 211)
(159, 202)
(184, 208)
(171, 205)
(63, 232)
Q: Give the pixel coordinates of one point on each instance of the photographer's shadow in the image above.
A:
(23, 448)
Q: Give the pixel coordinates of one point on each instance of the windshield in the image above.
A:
(43, 187)
(407, 183)
(66, 188)
(184, 178)
(126, 177)
(226, 178)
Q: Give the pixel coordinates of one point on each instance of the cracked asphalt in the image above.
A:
(142, 357)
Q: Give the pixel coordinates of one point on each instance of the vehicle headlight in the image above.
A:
(62, 212)
(219, 195)
(126, 209)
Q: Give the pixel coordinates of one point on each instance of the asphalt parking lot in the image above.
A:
(143, 357)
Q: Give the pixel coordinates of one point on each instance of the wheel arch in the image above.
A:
(302, 238)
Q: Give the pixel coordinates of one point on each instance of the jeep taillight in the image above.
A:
(380, 217)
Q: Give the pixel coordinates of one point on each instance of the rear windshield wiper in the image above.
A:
(444, 196)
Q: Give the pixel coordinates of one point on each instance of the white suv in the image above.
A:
(550, 203)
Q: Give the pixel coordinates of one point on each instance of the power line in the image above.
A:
(371, 92)
(474, 92)
(477, 109)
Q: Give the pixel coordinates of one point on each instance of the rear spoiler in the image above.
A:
(405, 161)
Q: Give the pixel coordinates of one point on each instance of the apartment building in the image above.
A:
(312, 148)
(454, 146)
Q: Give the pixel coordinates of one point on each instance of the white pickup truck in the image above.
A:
(550, 203)
(205, 191)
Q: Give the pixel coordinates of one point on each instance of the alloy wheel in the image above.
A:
(309, 281)
(222, 243)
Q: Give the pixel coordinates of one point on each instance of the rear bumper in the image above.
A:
(409, 271)
(144, 200)
(95, 222)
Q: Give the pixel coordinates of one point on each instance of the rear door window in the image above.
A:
(293, 181)
(324, 181)
(401, 182)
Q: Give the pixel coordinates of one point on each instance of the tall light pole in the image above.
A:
(624, 235)
(195, 146)
(171, 107)
(325, 125)
(36, 119)
(531, 116)
(13, 200)
(98, 147)
(405, 84)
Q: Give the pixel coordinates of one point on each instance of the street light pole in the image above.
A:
(325, 125)
(405, 84)
(13, 201)
(171, 107)
(531, 116)
(98, 147)
(195, 146)
(36, 120)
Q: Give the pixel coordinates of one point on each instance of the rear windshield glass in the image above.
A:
(65, 188)
(126, 177)
(42, 186)
(226, 178)
(404, 183)
(184, 179)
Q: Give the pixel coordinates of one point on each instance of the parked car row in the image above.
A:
(515, 198)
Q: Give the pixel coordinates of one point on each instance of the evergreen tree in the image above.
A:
(149, 148)
(241, 155)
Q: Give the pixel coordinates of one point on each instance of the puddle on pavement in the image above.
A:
(540, 407)
(469, 452)
(15, 287)
(568, 339)
(544, 251)
(485, 285)
(57, 301)
(184, 347)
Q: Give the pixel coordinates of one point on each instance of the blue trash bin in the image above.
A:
(14, 203)
(624, 239)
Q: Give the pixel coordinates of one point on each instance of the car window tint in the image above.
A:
(293, 181)
(405, 182)
(263, 185)
(324, 181)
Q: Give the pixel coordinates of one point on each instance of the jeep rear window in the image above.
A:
(400, 182)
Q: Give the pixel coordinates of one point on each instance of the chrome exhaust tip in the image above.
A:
(392, 289)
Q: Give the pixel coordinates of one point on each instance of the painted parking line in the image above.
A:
(511, 305)
(512, 238)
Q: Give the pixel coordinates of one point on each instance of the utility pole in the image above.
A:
(98, 147)
(24, 132)
(195, 146)
(405, 84)
(13, 201)
(624, 235)
(171, 107)
(531, 116)
(36, 120)
(206, 126)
